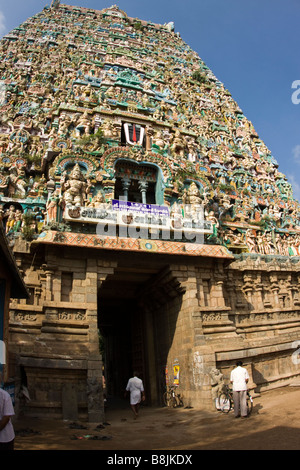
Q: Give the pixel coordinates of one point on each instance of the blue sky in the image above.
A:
(252, 46)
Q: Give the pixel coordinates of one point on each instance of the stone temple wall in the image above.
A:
(199, 315)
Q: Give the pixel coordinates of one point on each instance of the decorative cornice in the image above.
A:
(130, 244)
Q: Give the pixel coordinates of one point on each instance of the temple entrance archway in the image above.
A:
(136, 319)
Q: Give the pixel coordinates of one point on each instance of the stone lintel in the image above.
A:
(53, 363)
(248, 353)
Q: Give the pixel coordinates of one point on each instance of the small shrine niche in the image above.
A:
(136, 182)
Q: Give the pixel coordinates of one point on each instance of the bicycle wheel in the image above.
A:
(224, 402)
(173, 401)
(166, 398)
(179, 400)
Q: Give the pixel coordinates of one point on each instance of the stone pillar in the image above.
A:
(201, 294)
(96, 272)
(49, 273)
(126, 186)
(143, 185)
(258, 293)
(275, 290)
(37, 295)
(218, 292)
(94, 361)
(248, 291)
(189, 345)
(149, 135)
(151, 364)
(289, 291)
(296, 293)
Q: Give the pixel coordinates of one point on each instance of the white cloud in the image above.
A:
(296, 153)
(2, 23)
(295, 185)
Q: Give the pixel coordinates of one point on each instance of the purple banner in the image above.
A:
(153, 209)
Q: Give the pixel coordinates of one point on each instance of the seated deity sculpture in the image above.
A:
(97, 200)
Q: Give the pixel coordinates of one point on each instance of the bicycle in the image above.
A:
(171, 398)
(225, 401)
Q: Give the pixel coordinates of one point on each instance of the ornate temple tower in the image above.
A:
(151, 223)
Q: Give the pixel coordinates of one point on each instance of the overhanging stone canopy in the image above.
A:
(136, 245)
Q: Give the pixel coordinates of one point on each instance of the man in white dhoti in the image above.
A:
(137, 393)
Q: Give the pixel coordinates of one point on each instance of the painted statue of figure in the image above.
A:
(193, 202)
(213, 219)
(158, 141)
(75, 188)
(18, 221)
(193, 194)
(176, 216)
(178, 146)
(84, 123)
(97, 200)
(51, 207)
(10, 222)
(250, 241)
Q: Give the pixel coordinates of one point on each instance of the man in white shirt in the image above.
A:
(136, 389)
(239, 378)
(7, 434)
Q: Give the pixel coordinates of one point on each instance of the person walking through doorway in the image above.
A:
(137, 394)
(239, 378)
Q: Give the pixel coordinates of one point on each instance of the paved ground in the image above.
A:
(273, 425)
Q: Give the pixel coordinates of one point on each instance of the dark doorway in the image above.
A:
(122, 328)
(138, 308)
(121, 352)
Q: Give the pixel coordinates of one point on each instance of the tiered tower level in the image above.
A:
(134, 109)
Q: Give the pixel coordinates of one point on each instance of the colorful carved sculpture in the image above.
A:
(135, 92)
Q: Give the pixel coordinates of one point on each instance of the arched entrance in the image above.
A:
(137, 314)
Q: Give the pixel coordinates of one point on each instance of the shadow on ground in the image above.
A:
(273, 425)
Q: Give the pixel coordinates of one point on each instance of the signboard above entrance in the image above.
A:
(145, 216)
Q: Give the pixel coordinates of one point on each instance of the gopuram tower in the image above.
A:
(152, 225)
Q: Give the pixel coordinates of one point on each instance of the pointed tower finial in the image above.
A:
(55, 3)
